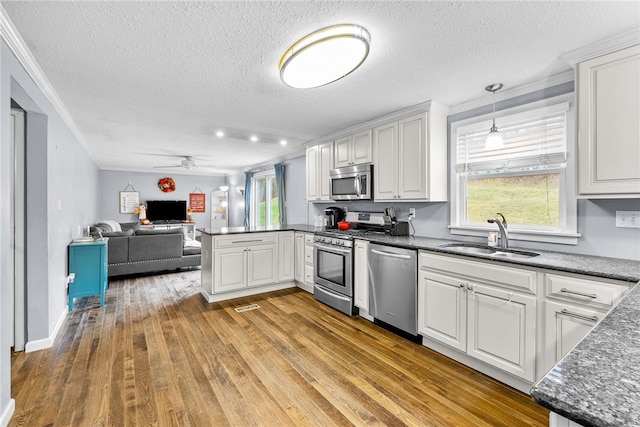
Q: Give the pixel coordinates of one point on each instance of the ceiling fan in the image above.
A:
(187, 163)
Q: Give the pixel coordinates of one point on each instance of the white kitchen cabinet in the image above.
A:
(410, 158)
(230, 267)
(353, 149)
(286, 255)
(319, 163)
(361, 274)
(262, 265)
(485, 310)
(501, 329)
(442, 308)
(309, 261)
(299, 257)
(608, 131)
(573, 306)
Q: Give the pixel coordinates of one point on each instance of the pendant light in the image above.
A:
(494, 139)
(324, 56)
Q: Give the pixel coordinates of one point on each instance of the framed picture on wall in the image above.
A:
(197, 202)
(129, 201)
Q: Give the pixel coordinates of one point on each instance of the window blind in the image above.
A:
(532, 140)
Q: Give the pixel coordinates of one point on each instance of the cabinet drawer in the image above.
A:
(583, 291)
(518, 278)
(308, 239)
(251, 239)
(308, 274)
(308, 254)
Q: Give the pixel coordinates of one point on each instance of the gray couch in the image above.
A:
(136, 251)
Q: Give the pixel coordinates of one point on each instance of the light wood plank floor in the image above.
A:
(158, 354)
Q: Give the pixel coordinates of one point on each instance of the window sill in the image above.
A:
(563, 238)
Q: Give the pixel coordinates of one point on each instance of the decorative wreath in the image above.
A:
(167, 185)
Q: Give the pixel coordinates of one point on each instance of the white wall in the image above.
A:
(60, 196)
(112, 182)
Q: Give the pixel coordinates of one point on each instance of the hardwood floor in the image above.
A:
(158, 354)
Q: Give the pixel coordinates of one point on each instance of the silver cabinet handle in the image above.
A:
(578, 316)
(462, 285)
(582, 294)
(247, 241)
(390, 255)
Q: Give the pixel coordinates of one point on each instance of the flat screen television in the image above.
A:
(167, 210)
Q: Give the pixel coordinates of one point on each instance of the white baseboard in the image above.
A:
(244, 292)
(47, 342)
(7, 413)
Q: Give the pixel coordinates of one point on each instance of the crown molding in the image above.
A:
(602, 47)
(19, 48)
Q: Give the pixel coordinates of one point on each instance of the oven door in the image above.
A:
(333, 268)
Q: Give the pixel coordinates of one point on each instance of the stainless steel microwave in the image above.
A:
(352, 182)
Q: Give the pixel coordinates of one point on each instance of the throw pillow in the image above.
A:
(108, 225)
(117, 233)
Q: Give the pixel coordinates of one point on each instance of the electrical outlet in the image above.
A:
(628, 219)
(412, 213)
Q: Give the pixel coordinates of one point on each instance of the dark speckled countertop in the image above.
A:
(611, 268)
(598, 382)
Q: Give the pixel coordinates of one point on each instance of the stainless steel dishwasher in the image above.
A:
(393, 287)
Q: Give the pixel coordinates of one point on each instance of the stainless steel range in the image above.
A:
(333, 254)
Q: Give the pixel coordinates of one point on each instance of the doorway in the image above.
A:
(17, 224)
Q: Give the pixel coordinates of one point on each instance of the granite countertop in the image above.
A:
(610, 268)
(598, 382)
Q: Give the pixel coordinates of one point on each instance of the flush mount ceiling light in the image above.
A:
(324, 56)
(494, 139)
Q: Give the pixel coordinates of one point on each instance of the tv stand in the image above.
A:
(189, 228)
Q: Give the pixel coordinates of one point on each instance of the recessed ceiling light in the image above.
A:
(219, 134)
(283, 142)
(254, 138)
(324, 56)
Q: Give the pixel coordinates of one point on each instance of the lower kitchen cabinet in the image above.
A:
(298, 262)
(244, 264)
(483, 310)
(361, 274)
(501, 329)
(573, 306)
(286, 249)
(309, 262)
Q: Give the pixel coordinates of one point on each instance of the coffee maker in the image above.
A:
(332, 216)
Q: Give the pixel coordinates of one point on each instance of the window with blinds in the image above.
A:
(524, 179)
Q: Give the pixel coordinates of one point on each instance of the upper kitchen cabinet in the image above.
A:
(608, 130)
(353, 149)
(319, 163)
(410, 158)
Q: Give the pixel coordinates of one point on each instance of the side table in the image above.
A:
(88, 261)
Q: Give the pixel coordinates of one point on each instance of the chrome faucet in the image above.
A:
(504, 233)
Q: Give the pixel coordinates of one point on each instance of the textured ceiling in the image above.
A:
(148, 82)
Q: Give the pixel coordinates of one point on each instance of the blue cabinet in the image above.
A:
(88, 261)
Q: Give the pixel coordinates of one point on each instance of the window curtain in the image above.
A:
(279, 168)
(247, 198)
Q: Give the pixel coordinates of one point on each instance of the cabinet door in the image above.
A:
(501, 329)
(412, 155)
(343, 150)
(285, 256)
(362, 148)
(442, 309)
(361, 275)
(385, 159)
(261, 265)
(229, 269)
(313, 162)
(609, 136)
(326, 164)
(299, 257)
(565, 326)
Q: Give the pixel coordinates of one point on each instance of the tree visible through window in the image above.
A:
(265, 200)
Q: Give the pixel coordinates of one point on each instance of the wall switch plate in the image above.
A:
(628, 219)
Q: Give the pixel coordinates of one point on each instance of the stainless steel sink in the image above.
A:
(479, 249)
